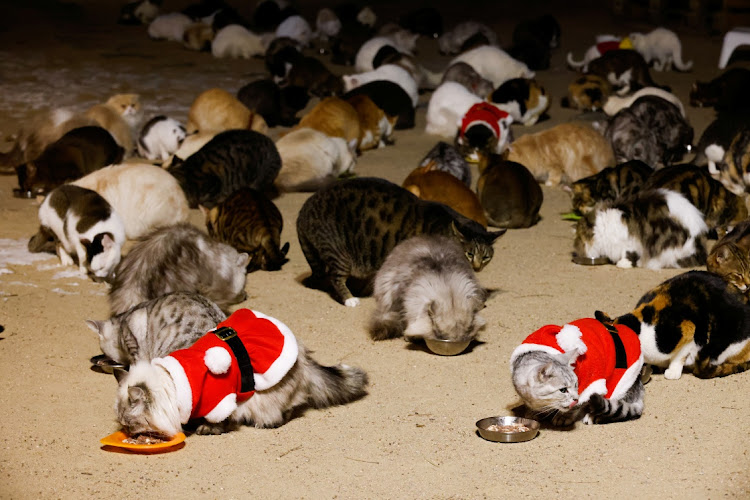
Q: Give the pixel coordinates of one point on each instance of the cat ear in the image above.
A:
(137, 326)
(119, 374)
(243, 260)
(567, 188)
(457, 232)
(603, 317)
(546, 372)
(108, 241)
(722, 255)
(96, 326)
(136, 396)
(496, 234)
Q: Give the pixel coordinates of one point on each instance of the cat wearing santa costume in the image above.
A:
(484, 129)
(587, 369)
(249, 370)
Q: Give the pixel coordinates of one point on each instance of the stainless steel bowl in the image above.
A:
(104, 364)
(447, 347)
(507, 437)
(591, 261)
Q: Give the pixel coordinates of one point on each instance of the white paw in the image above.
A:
(351, 302)
(66, 260)
(588, 420)
(673, 373)
(624, 263)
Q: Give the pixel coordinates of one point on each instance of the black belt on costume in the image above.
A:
(621, 358)
(229, 336)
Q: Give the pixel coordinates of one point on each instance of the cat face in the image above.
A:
(588, 92)
(103, 255)
(478, 249)
(546, 383)
(128, 105)
(730, 262)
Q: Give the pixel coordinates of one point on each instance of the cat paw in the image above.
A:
(209, 429)
(624, 263)
(673, 373)
(588, 419)
(351, 302)
(564, 419)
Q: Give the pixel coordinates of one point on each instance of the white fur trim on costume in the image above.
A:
(222, 410)
(218, 360)
(524, 348)
(569, 338)
(596, 387)
(181, 385)
(628, 379)
(283, 363)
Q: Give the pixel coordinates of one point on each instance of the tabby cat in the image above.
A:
(445, 157)
(509, 194)
(694, 320)
(250, 222)
(734, 168)
(348, 229)
(435, 185)
(610, 184)
(730, 257)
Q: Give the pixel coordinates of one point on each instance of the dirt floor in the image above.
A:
(414, 435)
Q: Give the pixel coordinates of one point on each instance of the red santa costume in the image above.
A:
(608, 357)
(489, 115)
(248, 351)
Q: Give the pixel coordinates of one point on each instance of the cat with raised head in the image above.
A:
(375, 127)
(494, 64)
(280, 54)
(348, 228)
(451, 41)
(391, 98)
(334, 117)
(120, 116)
(156, 327)
(160, 137)
(464, 74)
(427, 289)
(610, 184)
(662, 48)
(430, 184)
(296, 28)
(730, 257)
(510, 196)
(445, 157)
(236, 41)
(155, 397)
(216, 110)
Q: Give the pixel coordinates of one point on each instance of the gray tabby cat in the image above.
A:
(445, 157)
(156, 327)
(427, 289)
(179, 258)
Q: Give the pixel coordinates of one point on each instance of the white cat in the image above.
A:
(402, 40)
(145, 196)
(327, 24)
(237, 41)
(663, 47)
(391, 72)
(494, 64)
(451, 41)
(311, 159)
(169, 26)
(296, 28)
(594, 52)
(160, 138)
(616, 103)
(448, 104)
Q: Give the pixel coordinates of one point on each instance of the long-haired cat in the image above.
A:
(391, 98)
(451, 41)
(467, 76)
(730, 257)
(348, 228)
(523, 98)
(251, 223)
(445, 157)
(145, 196)
(564, 153)
(156, 327)
(448, 105)
(661, 47)
(277, 106)
(375, 127)
(654, 229)
(609, 184)
(587, 369)
(435, 185)
(494, 64)
(427, 289)
(160, 137)
(120, 116)
(231, 160)
(334, 117)
(694, 320)
(311, 159)
(388, 72)
(237, 41)
(155, 397)
(216, 110)
(510, 196)
(179, 258)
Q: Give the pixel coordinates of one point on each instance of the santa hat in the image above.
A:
(486, 114)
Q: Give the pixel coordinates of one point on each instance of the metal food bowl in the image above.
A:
(447, 347)
(104, 364)
(19, 193)
(507, 437)
(591, 261)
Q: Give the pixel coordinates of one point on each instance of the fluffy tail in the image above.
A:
(335, 385)
(715, 155)
(575, 64)
(605, 411)
(682, 66)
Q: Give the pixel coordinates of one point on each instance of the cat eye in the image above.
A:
(564, 390)
(469, 255)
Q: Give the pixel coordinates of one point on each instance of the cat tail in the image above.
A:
(334, 385)
(606, 411)
(9, 160)
(386, 325)
(704, 368)
(682, 66)
(575, 64)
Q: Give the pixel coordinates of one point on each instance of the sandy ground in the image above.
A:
(413, 436)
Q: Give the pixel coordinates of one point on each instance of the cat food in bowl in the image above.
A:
(590, 261)
(508, 429)
(447, 347)
(143, 443)
(106, 365)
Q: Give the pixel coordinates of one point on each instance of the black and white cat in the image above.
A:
(160, 138)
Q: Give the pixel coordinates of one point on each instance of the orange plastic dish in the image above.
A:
(117, 440)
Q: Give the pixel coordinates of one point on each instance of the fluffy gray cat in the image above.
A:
(179, 258)
(427, 289)
(156, 327)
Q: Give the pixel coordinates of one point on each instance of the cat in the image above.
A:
(75, 154)
(280, 54)
(120, 116)
(237, 41)
(448, 105)
(604, 43)
(652, 130)
(278, 106)
(230, 160)
(730, 256)
(85, 226)
(216, 110)
(311, 160)
(156, 327)
(694, 320)
(624, 69)
(719, 134)
(653, 229)
(423, 77)
(139, 12)
(445, 157)
(451, 41)
(587, 93)
(533, 40)
(389, 97)
(484, 129)
(296, 28)
(251, 223)
(610, 184)
(191, 145)
(312, 74)
(427, 183)
(732, 167)
(661, 47)
(327, 24)
(144, 196)
(388, 72)
(169, 26)
(494, 64)
(348, 228)
(160, 137)
(464, 74)
(375, 127)
(524, 99)
(199, 37)
(334, 117)
(427, 289)
(402, 40)
(509, 194)
(587, 369)
(564, 153)
(179, 258)
(155, 397)
(615, 103)
(726, 92)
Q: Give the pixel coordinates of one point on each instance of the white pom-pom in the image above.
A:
(569, 338)
(218, 360)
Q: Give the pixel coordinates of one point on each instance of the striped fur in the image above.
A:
(608, 185)
(730, 257)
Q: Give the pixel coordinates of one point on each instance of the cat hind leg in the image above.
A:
(606, 411)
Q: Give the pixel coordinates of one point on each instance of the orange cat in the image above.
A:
(375, 128)
(562, 154)
(120, 115)
(440, 186)
(335, 118)
(216, 110)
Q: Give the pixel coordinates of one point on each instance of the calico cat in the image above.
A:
(610, 184)
(85, 226)
(251, 223)
(732, 167)
(662, 48)
(145, 196)
(494, 64)
(156, 327)
(564, 153)
(375, 127)
(277, 106)
(312, 74)
(448, 105)
(216, 110)
(237, 41)
(624, 69)
(445, 157)
(75, 154)
(389, 72)
(524, 99)
(231, 160)
(451, 41)
(427, 289)
(726, 92)
(120, 116)
(615, 103)
(730, 257)
(427, 183)
(694, 320)
(587, 93)
(160, 138)
(464, 74)
(348, 228)
(654, 229)
(179, 258)
(509, 194)
(389, 97)
(155, 397)
(169, 26)
(334, 117)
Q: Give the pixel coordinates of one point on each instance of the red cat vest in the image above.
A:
(608, 360)
(485, 113)
(604, 47)
(215, 374)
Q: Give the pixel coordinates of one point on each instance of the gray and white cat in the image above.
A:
(179, 258)
(445, 157)
(156, 327)
(494, 64)
(451, 41)
(427, 289)
(160, 138)
(467, 76)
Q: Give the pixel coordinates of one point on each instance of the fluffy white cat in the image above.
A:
(160, 138)
(494, 64)
(616, 103)
(402, 40)
(663, 47)
(296, 28)
(390, 72)
(448, 104)
(169, 26)
(237, 41)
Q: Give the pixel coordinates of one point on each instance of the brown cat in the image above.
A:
(334, 117)
(120, 116)
(509, 194)
(375, 127)
(216, 110)
(587, 93)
